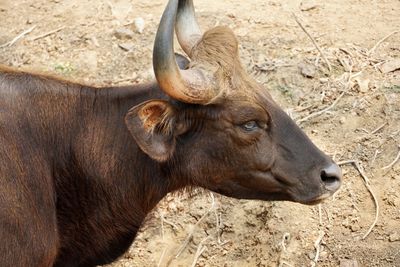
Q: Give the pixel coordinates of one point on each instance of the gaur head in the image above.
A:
(221, 130)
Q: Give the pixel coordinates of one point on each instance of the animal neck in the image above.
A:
(109, 156)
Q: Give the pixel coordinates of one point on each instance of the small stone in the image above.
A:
(355, 228)
(390, 66)
(307, 5)
(342, 120)
(323, 255)
(363, 84)
(323, 80)
(94, 41)
(307, 70)
(123, 33)
(126, 46)
(394, 237)
(139, 24)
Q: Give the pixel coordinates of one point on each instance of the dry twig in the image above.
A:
(218, 225)
(317, 246)
(162, 237)
(47, 34)
(314, 42)
(393, 162)
(347, 88)
(285, 237)
(190, 236)
(367, 185)
(374, 157)
(199, 251)
(162, 257)
(19, 36)
(380, 41)
(315, 114)
(173, 225)
(378, 129)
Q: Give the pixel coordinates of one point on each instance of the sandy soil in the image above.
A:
(362, 125)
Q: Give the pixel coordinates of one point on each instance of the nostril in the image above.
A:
(328, 179)
(331, 177)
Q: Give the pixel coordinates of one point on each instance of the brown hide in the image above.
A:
(72, 180)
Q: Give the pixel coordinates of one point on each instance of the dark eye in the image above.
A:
(250, 126)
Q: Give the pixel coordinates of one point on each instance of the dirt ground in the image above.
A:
(110, 43)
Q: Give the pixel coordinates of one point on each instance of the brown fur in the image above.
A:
(65, 191)
(217, 52)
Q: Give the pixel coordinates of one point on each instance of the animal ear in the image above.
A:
(152, 125)
(182, 61)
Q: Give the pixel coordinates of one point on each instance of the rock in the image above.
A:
(307, 70)
(123, 33)
(348, 263)
(307, 5)
(390, 66)
(94, 41)
(355, 228)
(363, 84)
(393, 237)
(324, 80)
(126, 46)
(323, 255)
(139, 24)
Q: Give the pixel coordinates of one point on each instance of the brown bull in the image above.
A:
(81, 166)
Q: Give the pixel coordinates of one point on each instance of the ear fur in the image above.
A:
(152, 125)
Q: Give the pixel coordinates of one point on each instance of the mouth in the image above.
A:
(316, 200)
(266, 186)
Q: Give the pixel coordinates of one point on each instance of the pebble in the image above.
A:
(363, 84)
(307, 70)
(307, 5)
(126, 46)
(123, 33)
(139, 24)
(355, 228)
(390, 65)
(323, 255)
(394, 237)
(324, 80)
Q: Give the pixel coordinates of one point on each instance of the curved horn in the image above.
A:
(187, 29)
(190, 86)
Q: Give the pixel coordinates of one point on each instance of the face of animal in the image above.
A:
(224, 132)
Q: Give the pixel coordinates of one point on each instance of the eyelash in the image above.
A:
(250, 126)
